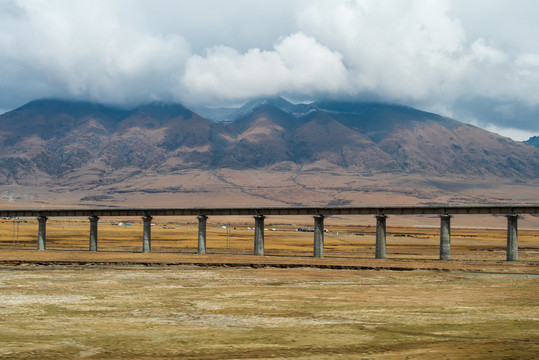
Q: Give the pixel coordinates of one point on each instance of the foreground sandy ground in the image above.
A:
(190, 312)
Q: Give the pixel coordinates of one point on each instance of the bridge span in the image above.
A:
(445, 212)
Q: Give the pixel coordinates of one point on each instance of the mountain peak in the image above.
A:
(226, 114)
(276, 101)
(534, 141)
(356, 107)
(250, 106)
(74, 107)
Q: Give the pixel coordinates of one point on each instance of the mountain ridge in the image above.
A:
(534, 141)
(81, 145)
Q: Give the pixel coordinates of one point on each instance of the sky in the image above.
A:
(476, 61)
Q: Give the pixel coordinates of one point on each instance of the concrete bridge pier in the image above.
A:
(147, 234)
(512, 237)
(93, 232)
(445, 236)
(318, 236)
(202, 233)
(380, 252)
(41, 232)
(259, 234)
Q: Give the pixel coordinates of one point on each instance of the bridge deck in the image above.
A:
(326, 210)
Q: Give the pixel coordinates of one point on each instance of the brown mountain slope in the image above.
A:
(274, 152)
(322, 137)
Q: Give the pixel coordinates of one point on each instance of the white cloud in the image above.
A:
(296, 64)
(428, 53)
(82, 50)
(405, 49)
(419, 53)
(483, 53)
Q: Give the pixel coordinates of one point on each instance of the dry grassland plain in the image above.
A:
(104, 305)
(281, 239)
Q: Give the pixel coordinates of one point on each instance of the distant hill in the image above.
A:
(77, 145)
(534, 141)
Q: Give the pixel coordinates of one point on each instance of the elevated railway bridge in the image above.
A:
(512, 213)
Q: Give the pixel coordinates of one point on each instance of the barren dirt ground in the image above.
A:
(117, 303)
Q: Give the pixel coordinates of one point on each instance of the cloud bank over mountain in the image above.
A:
(478, 63)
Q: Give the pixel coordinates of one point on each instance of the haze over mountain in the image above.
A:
(270, 151)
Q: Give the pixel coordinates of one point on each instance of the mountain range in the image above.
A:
(269, 151)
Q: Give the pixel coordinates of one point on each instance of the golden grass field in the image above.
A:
(342, 241)
(117, 303)
(187, 312)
